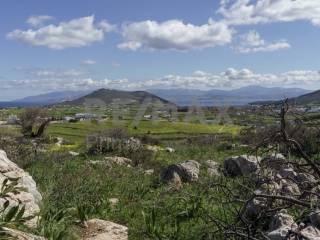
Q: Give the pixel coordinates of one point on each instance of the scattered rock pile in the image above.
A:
(278, 183)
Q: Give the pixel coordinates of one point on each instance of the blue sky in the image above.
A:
(86, 44)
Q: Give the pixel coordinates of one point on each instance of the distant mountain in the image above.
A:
(44, 99)
(52, 97)
(305, 99)
(236, 97)
(181, 97)
(108, 96)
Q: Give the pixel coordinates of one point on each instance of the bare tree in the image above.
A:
(33, 122)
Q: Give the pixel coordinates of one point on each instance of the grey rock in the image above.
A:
(274, 161)
(310, 233)
(254, 207)
(213, 168)
(281, 225)
(287, 173)
(289, 187)
(241, 165)
(315, 218)
(187, 171)
(121, 161)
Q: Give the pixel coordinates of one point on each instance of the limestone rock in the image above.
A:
(18, 235)
(281, 225)
(169, 150)
(241, 165)
(149, 172)
(212, 168)
(154, 148)
(122, 161)
(287, 173)
(74, 154)
(274, 161)
(30, 197)
(113, 201)
(187, 171)
(289, 187)
(59, 141)
(310, 233)
(104, 230)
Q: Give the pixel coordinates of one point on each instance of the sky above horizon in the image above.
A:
(218, 44)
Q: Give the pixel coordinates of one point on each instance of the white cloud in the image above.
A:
(37, 21)
(232, 78)
(61, 79)
(75, 33)
(174, 35)
(89, 62)
(73, 79)
(247, 12)
(130, 45)
(252, 42)
(106, 26)
(115, 64)
(53, 73)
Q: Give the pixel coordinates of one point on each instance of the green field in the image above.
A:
(77, 132)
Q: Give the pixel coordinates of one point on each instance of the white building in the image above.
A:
(12, 120)
(85, 116)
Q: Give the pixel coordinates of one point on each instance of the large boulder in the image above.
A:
(241, 165)
(187, 171)
(104, 230)
(28, 196)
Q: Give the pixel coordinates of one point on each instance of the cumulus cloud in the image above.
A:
(37, 21)
(75, 33)
(61, 79)
(89, 62)
(174, 35)
(73, 79)
(252, 42)
(232, 78)
(247, 12)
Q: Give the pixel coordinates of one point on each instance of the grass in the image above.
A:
(149, 209)
(74, 189)
(77, 132)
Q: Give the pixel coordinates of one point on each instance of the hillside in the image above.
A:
(306, 99)
(52, 97)
(108, 96)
